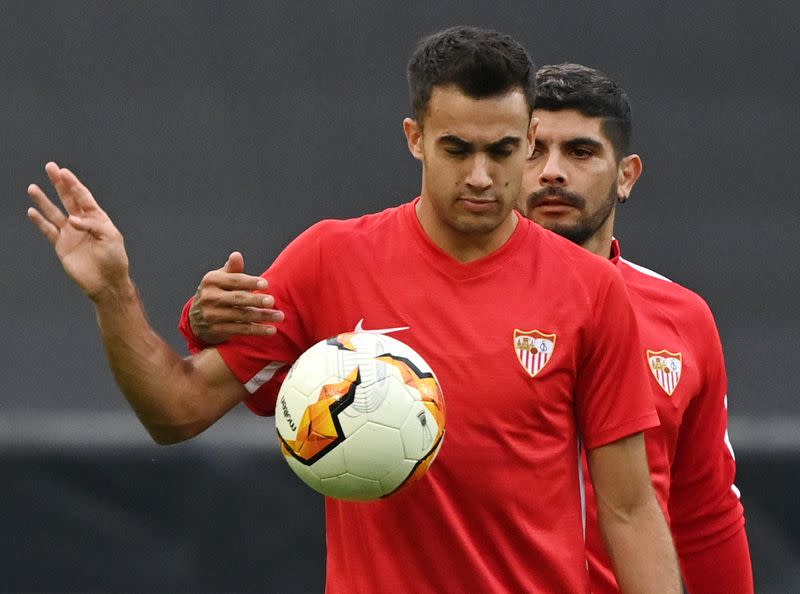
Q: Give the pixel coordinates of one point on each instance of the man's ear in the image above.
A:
(531, 136)
(629, 170)
(413, 133)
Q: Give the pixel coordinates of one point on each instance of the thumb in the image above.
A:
(86, 224)
(235, 263)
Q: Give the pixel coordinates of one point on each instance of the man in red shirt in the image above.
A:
(580, 170)
(501, 509)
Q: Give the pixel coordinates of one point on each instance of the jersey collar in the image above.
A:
(616, 252)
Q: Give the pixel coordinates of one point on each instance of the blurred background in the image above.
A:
(204, 127)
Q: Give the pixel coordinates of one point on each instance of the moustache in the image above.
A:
(565, 196)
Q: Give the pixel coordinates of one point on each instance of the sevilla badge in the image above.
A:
(666, 368)
(533, 349)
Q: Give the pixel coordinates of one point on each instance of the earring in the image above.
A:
(622, 199)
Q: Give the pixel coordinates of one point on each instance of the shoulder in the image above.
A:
(575, 260)
(330, 235)
(326, 248)
(364, 225)
(659, 291)
(575, 267)
(565, 273)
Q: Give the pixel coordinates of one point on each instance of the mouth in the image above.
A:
(551, 204)
(474, 204)
(550, 210)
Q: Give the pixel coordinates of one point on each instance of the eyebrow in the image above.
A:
(506, 141)
(584, 141)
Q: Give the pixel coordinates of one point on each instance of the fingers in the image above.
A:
(214, 323)
(88, 224)
(242, 299)
(235, 306)
(251, 315)
(54, 173)
(213, 320)
(234, 277)
(50, 211)
(48, 229)
(235, 263)
(226, 331)
(229, 302)
(47, 217)
(74, 195)
(80, 193)
(233, 281)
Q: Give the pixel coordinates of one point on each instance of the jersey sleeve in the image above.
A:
(724, 568)
(707, 518)
(613, 398)
(261, 362)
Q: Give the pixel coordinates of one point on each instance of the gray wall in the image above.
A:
(204, 127)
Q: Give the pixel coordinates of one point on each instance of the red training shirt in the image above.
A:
(691, 458)
(500, 509)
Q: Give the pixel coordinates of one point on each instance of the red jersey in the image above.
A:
(691, 459)
(500, 509)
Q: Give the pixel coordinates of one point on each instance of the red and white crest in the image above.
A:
(666, 368)
(533, 349)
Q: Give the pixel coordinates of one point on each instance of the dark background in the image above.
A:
(204, 127)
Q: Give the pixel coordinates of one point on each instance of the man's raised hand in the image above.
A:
(91, 249)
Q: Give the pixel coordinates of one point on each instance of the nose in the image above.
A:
(478, 178)
(553, 173)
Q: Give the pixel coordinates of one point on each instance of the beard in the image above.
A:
(588, 223)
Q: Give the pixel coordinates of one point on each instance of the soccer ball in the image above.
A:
(359, 416)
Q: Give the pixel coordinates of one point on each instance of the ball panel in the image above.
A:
(392, 406)
(289, 409)
(350, 486)
(422, 466)
(319, 430)
(314, 367)
(423, 384)
(373, 451)
(305, 473)
(420, 431)
(331, 464)
(397, 476)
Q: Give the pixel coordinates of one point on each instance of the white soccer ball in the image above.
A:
(359, 416)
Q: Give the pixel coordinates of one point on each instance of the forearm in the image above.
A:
(641, 549)
(174, 399)
(161, 386)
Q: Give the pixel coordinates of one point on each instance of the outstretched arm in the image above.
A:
(634, 530)
(174, 398)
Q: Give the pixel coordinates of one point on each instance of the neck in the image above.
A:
(463, 246)
(599, 244)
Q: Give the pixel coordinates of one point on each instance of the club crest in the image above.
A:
(533, 349)
(666, 368)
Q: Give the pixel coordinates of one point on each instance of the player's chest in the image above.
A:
(499, 352)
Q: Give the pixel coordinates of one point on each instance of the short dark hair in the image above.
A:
(480, 62)
(592, 93)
